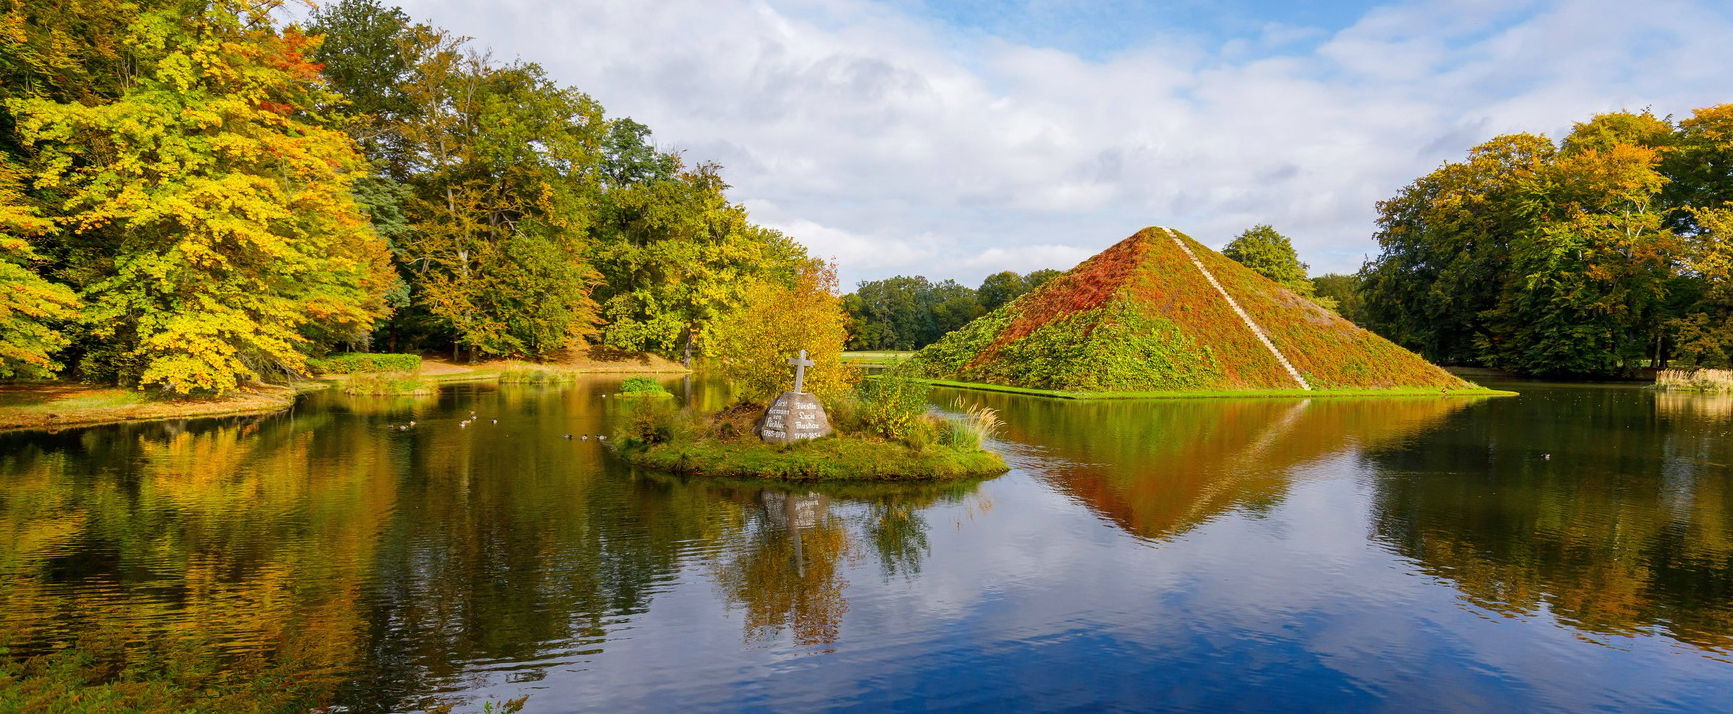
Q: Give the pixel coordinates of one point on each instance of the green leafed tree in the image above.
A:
(502, 203)
(1000, 288)
(676, 256)
(1344, 292)
(1038, 278)
(1272, 255)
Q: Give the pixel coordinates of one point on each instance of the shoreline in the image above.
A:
(56, 406)
(1206, 394)
(69, 412)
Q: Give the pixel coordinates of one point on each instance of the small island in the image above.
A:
(880, 431)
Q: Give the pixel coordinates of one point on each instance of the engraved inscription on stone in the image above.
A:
(794, 415)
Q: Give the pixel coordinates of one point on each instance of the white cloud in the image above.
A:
(1026, 258)
(900, 146)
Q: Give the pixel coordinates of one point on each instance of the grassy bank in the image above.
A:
(1208, 394)
(60, 405)
(841, 458)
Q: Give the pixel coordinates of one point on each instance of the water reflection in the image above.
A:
(1608, 508)
(167, 541)
(1160, 468)
(389, 566)
(389, 569)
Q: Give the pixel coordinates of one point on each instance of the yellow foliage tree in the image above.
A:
(774, 323)
(29, 304)
(217, 203)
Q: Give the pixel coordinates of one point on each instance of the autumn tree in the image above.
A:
(1588, 278)
(1698, 164)
(212, 231)
(1445, 245)
(1702, 334)
(1585, 257)
(31, 306)
(774, 323)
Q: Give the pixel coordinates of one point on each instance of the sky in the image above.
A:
(958, 139)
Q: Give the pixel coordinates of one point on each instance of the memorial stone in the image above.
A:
(795, 415)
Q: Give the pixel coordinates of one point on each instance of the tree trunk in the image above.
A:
(686, 359)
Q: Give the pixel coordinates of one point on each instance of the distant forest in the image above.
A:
(907, 313)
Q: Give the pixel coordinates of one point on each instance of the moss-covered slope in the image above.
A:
(1141, 317)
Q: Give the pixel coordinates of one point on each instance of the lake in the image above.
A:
(1569, 549)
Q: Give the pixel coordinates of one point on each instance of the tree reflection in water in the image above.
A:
(784, 566)
(1606, 507)
(1160, 468)
(380, 568)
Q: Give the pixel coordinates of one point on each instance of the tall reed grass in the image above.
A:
(979, 423)
(1699, 380)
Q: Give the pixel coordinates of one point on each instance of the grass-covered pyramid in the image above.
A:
(1143, 316)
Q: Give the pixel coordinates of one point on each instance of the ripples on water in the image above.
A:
(1568, 549)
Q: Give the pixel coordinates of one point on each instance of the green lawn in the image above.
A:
(877, 358)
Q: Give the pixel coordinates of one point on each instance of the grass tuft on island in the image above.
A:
(643, 388)
(882, 434)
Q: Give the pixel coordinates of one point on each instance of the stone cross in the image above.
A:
(800, 364)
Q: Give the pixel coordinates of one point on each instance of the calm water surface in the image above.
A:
(1570, 549)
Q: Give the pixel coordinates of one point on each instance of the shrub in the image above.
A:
(739, 420)
(641, 385)
(924, 432)
(845, 413)
(892, 406)
(353, 362)
(389, 385)
(651, 422)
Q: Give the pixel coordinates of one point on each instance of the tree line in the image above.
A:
(195, 194)
(907, 313)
